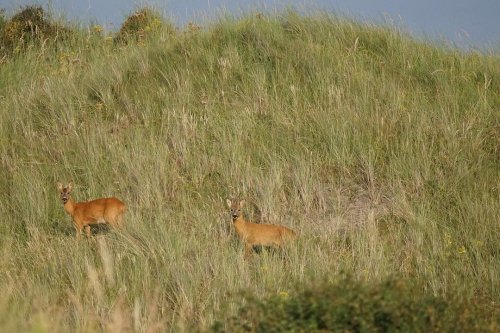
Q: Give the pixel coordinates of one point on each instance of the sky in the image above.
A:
(467, 24)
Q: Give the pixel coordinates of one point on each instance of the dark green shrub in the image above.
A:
(29, 26)
(3, 20)
(140, 24)
(392, 306)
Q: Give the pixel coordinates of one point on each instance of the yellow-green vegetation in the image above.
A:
(381, 151)
(29, 27)
(141, 24)
(350, 306)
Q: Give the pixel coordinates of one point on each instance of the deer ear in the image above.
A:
(70, 186)
(59, 187)
(229, 203)
(242, 202)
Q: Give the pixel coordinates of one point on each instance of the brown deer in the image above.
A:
(253, 234)
(105, 210)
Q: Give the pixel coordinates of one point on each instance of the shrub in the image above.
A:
(391, 306)
(3, 20)
(141, 24)
(28, 26)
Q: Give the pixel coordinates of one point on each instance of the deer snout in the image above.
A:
(64, 198)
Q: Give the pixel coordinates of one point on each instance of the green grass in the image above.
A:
(381, 151)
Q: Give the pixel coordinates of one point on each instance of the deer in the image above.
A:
(254, 234)
(104, 210)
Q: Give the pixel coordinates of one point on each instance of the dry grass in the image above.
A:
(381, 151)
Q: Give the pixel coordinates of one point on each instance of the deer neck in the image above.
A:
(69, 206)
(240, 225)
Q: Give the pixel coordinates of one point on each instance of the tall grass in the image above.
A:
(383, 152)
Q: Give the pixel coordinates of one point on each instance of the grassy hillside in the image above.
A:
(381, 151)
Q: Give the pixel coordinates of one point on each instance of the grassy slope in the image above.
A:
(383, 153)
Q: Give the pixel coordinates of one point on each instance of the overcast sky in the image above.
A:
(465, 23)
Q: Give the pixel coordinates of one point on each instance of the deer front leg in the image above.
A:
(87, 231)
(78, 232)
(248, 249)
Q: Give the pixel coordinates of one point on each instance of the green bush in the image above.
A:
(28, 26)
(3, 20)
(391, 306)
(140, 24)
